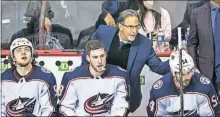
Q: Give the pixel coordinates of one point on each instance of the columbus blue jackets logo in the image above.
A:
(45, 70)
(121, 69)
(98, 104)
(204, 80)
(158, 84)
(20, 106)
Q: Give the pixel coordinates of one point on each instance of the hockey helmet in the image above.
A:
(21, 42)
(187, 62)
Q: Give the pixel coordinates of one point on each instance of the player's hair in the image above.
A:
(127, 13)
(93, 45)
(10, 59)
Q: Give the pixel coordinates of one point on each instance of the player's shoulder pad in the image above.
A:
(75, 72)
(7, 71)
(72, 69)
(162, 81)
(120, 68)
(203, 84)
(44, 74)
(6, 74)
(78, 69)
(201, 79)
(45, 70)
(117, 70)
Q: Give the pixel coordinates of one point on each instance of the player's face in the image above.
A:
(186, 78)
(22, 56)
(97, 59)
(129, 28)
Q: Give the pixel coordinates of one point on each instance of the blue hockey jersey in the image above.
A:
(200, 98)
(84, 95)
(34, 93)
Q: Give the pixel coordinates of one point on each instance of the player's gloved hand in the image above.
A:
(28, 115)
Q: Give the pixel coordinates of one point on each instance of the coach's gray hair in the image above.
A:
(123, 15)
(93, 45)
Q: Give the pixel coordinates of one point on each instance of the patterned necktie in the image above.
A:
(121, 44)
(217, 24)
(217, 36)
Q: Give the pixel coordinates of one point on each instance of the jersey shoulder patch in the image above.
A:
(158, 84)
(45, 70)
(121, 69)
(204, 80)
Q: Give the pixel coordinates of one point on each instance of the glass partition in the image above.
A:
(67, 24)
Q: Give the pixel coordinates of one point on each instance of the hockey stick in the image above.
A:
(180, 71)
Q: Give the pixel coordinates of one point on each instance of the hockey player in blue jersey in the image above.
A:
(96, 89)
(26, 89)
(200, 98)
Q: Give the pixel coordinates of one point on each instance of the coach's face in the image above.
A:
(129, 28)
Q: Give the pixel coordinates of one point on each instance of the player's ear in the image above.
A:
(87, 58)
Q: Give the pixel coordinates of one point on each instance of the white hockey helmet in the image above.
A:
(187, 62)
(21, 42)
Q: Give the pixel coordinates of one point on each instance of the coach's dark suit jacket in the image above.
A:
(185, 22)
(200, 45)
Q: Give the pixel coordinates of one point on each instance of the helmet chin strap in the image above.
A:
(175, 76)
